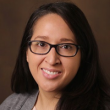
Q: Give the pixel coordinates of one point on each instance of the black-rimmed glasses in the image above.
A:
(63, 49)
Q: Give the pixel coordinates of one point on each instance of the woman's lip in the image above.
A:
(51, 70)
(50, 76)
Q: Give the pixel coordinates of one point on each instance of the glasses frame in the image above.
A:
(53, 46)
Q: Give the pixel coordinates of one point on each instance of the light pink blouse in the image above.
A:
(34, 108)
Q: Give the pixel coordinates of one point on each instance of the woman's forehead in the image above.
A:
(52, 25)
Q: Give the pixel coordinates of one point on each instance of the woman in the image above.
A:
(58, 64)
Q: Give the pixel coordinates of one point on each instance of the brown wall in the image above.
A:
(13, 17)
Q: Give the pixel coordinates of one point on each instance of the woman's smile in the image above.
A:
(51, 73)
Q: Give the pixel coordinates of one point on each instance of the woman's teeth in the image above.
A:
(50, 72)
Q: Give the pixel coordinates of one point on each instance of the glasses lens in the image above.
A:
(39, 47)
(67, 49)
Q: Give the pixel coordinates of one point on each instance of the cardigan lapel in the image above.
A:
(29, 103)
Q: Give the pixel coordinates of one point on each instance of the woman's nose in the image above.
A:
(52, 57)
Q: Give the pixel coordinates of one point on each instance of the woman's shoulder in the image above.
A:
(15, 101)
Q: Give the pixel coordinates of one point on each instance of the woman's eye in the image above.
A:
(66, 47)
(41, 44)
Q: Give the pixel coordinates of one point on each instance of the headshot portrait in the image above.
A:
(58, 63)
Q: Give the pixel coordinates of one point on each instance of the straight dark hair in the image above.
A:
(89, 90)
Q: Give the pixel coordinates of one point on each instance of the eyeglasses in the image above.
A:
(64, 49)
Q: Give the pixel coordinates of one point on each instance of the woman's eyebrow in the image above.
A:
(66, 40)
(61, 40)
(41, 37)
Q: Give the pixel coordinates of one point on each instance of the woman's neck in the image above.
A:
(47, 100)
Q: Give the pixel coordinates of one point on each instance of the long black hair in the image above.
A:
(89, 89)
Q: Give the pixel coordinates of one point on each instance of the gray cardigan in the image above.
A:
(19, 101)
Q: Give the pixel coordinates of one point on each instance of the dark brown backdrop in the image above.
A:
(13, 17)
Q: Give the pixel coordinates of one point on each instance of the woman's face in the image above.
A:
(52, 28)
